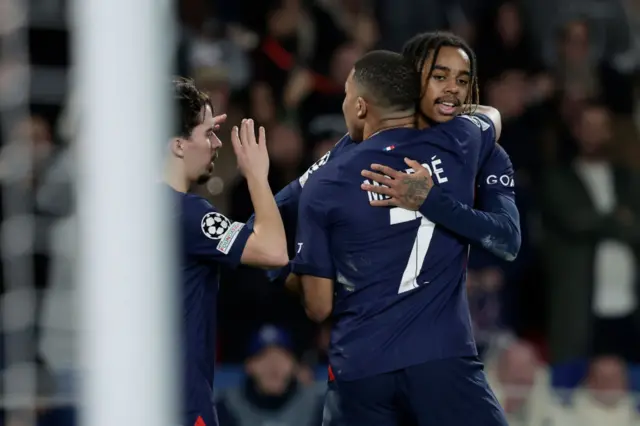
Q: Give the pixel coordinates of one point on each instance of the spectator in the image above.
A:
(591, 212)
(520, 381)
(603, 400)
(271, 393)
(581, 73)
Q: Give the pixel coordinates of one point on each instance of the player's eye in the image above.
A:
(463, 82)
(439, 77)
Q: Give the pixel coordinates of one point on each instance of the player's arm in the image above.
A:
(313, 262)
(293, 283)
(287, 201)
(266, 246)
(497, 228)
(495, 225)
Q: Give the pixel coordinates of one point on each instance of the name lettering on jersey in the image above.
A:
(300, 247)
(314, 167)
(435, 168)
(504, 180)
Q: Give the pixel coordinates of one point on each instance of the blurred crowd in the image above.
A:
(559, 328)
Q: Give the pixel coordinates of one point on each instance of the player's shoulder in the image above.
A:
(198, 209)
(472, 135)
(196, 203)
(480, 121)
(339, 148)
(200, 214)
(497, 158)
(326, 181)
(344, 141)
(468, 125)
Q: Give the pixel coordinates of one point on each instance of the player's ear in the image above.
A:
(361, 108)
(177, 147)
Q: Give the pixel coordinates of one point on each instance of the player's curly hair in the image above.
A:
(422, 46)
(189, 105)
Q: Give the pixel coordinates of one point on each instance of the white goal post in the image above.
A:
(124, 50)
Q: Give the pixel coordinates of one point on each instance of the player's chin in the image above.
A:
(204, 178)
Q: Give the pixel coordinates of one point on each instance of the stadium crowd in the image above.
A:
(559, 328)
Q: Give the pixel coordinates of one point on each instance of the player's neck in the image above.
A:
(423, 123)
(387, 124)
(175, 179)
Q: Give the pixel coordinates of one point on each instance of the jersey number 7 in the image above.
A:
(420, 246)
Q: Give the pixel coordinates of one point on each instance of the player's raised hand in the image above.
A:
(218, 120)
(252, 155)
(404, 190)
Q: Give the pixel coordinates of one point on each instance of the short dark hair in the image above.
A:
(421, 46)
(390, 79)
(189, 106)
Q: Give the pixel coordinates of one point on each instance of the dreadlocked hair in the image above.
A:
(426, 45)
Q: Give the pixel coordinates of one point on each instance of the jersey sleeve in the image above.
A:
(313, 253)
(496, 225)
(211, 235)
(487, 135)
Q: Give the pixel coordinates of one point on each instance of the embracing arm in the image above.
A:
(496, 224)
(497, 228)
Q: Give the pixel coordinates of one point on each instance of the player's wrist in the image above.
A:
(430, 205)
(257, 180)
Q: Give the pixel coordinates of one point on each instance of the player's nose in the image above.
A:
(452, 88)
(216, 143)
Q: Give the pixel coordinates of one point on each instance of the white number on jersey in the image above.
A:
(419, 249)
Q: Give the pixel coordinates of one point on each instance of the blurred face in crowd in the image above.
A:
(199, 151)
(272, 369)
(508, 23)
(218, 92)
(575, 43)
(35, 131)
(343, 61)
(448, 86)
(322, 147)
(607, 380)
(517, 370)
(518, 365)
(285, 146)
(354, 109)
(593, 131)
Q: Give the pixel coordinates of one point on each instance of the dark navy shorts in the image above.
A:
(448, 392)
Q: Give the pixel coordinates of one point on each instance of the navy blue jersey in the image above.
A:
(496, 227)
(208, 239)
(287, 199)
(399, 278)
